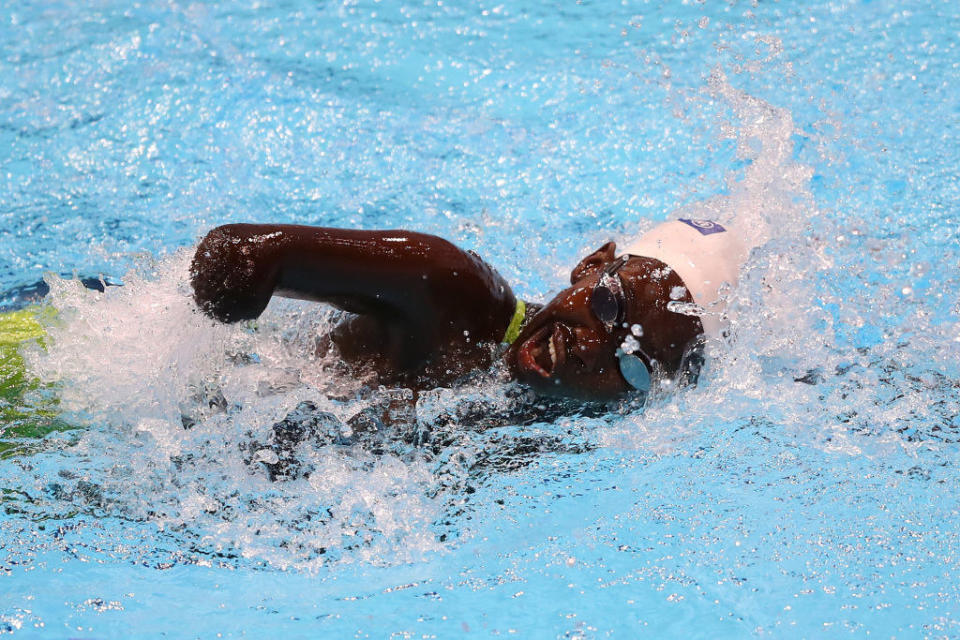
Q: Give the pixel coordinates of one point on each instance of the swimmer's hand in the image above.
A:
(234, 272)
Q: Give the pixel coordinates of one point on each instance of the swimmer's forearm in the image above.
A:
(320, 263)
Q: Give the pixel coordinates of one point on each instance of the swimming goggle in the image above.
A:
(609, 305)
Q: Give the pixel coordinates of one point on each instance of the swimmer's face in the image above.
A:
(566, 350)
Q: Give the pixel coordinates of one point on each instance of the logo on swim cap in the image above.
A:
(705, 227)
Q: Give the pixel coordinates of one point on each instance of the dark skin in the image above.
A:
(425, 312)
(586, 365)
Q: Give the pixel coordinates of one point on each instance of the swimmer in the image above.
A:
(423, 313)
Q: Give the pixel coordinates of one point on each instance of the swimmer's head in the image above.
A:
(608, 333)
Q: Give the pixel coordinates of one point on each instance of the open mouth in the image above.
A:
(545, 350)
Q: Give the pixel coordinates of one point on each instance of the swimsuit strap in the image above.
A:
(516, 322)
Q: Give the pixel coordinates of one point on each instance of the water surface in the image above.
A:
(804, 489)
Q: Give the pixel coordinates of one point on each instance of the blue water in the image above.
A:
(805, 489)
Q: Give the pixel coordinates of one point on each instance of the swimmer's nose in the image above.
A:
(585, 348)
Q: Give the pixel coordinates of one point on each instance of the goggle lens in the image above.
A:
(635, 371)
(605, 305)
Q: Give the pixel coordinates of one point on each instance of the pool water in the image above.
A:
(805, 488)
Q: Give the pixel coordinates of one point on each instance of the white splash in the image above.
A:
(132, 353)
(180, 412)
(773, 337)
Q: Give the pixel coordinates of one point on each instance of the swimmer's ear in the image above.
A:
(594, 262)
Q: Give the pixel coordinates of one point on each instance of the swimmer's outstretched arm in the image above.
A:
(431, 290)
